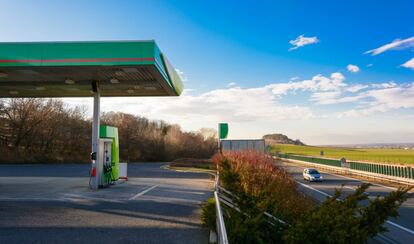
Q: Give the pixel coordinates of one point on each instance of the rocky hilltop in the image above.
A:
(281, 139)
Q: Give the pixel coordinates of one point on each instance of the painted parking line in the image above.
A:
(143, 192)
(388, 222)
(83, 197)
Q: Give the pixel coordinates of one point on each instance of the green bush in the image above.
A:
(351, 220)
(208, 214)
(258, 185)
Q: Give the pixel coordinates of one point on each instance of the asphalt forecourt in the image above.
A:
(401, 229)
(52, 204)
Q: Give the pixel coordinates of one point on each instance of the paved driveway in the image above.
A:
(51, 203)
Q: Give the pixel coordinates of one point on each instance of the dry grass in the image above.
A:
(193, 163)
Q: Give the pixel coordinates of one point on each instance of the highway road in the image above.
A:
(401, 229)
(52, 204)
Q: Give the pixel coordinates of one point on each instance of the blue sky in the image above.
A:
(241, 65)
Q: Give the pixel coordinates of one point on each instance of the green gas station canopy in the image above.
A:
(67, 69)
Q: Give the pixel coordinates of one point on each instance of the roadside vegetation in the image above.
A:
(47, 130)
(258, 185)
(193, 163)
(379, 155)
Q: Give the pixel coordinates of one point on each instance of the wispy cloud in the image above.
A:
(356, 88)
(232, 84)
(384, 99)
(390, 84)
(301, 41)
(325, 98)
(409, 64)
(182, 75)
(397, 44)
(275, 102)
(352, 68)
(318, 83)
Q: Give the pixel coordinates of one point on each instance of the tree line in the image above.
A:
(47, 130)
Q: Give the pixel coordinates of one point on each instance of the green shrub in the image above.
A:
(351, 220)
(208, 214)
(258, 185)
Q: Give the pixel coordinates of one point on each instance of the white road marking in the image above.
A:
(350, 178)
(77, 198)
(314, 189)
(400, 227)
(328, 195)
(142, 192)
(349, 187)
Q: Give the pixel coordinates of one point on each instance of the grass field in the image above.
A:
(395, 156)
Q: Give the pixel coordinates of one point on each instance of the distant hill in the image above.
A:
(281, 139)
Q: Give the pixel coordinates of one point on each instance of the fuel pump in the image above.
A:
(106, 162)
(104, 165)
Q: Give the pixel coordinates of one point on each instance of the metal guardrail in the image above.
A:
(401, 172)
(220, 225)
(350, 171)
(224, 196)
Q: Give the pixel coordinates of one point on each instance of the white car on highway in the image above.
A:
(312, 175)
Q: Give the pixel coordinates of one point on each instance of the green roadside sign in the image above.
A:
(223, 130)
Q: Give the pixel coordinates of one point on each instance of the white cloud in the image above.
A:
(384, 99)
(255, 111)
(182, 75)
(301, 41)
(233, 105)
(265, 104)
(356, 88)
(231, 84)
(397, 44)
(352, 68)
(389, 84)
(318, 83)
(325, 98)
(409, 64)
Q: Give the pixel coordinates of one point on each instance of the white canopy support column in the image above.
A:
(95, 135)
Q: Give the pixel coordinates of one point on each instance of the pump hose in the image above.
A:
(90, 178)
(107, 175)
